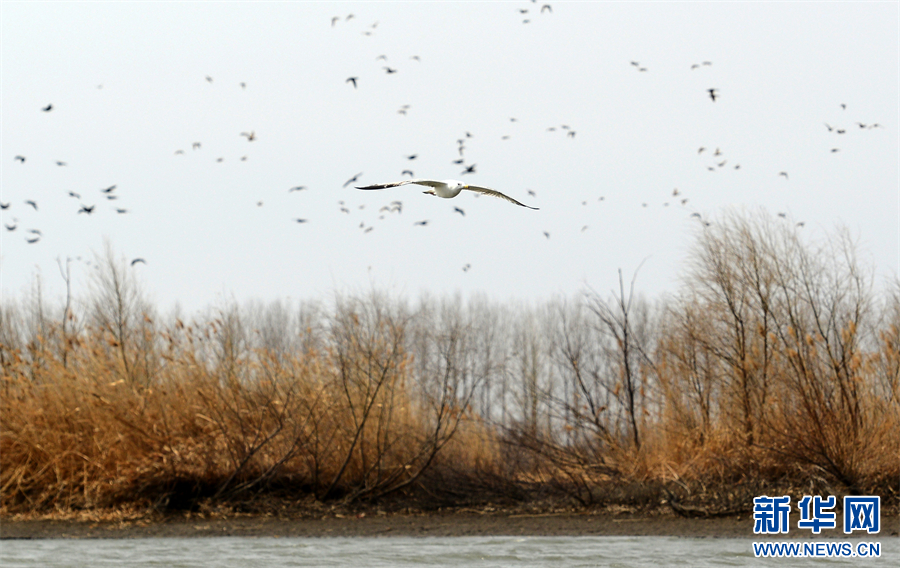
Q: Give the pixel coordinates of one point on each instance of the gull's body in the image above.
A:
(447, 189)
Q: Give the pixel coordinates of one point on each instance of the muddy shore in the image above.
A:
(456, 523)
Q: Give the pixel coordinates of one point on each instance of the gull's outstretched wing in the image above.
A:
(495, 193)
(428, 182)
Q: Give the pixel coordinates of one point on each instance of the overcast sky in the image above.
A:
(128, 87)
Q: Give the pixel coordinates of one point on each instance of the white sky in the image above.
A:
(782, 70)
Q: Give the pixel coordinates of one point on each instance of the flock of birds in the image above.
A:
(447, 189)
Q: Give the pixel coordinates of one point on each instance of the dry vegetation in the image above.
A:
(775, 368)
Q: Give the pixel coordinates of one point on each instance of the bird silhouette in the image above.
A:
(11, 227)
(354, 179)
(297, 188)
(47, 108)
(109, 189)
(407, 173)
(447, 189)
(412, 156)
(352, 80)
(195, 146)
(86, 209)
(712, 94)
(460, 211)
(137, 260)
(469, 169)
(5, 205)
(300, 220)
(783, 174)
(32, 241)
(388, 70)
(20, 158)
(121, 211)
(32, 203)
(546, 7)
(421, 223)
(58, 163)
(251, 136)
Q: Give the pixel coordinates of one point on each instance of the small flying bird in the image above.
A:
(782, 215)
(20, 158)
(840, 131)
(707, 63)
(722, 163)
(301, 220)
(412, 156)
(737, 166)
(75, 195)
(460, 211)
(843, 106)
(121, 211)
(531, 193)
(697, 215)
(334, 20)
(830, 129)
(243, 85)
(137, 260)
(58, 163)
(243, 158)
(389, 70)
(195, 146)
(415, 57)
(695, 66)
(421, 223)
(32, 241)
(466, 267)
(546, 7)
(407, 173)
(354, 179)
(5, 205)
(584, 228)
(835, 150)
(36, 232)
(47, 108)
(109, 189)
(11, 227)
(458, 162)
(700, 151)
(251, 136)
(352, 80)
(635, 63)
(712, 94)
(783, 174)
(32, 203)
(179, 152)
(571, 134)
(469, 169)
(86, 209)
(675, 192)
(220, 160)
(112, 197)
(546, 234)
(208, 79)
(801, 224)
(718, 152)
(297, 188)
(447, 189)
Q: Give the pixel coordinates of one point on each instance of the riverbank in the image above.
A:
(466, 522)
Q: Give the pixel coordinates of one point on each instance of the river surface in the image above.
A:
(359, 552)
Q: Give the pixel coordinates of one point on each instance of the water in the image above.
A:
(360, 552)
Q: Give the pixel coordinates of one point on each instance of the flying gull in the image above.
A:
(446, 189)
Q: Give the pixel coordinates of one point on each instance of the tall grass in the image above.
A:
(775, 364)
